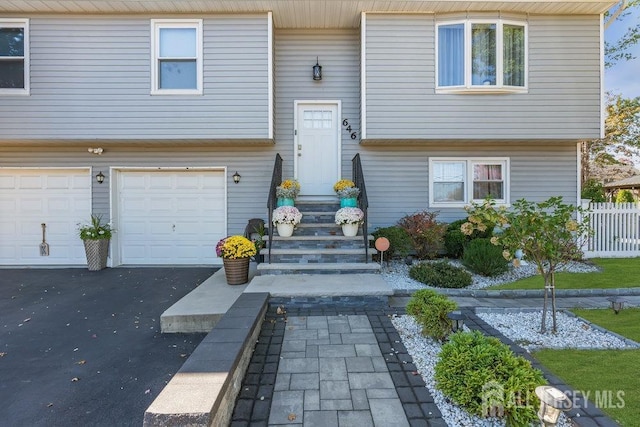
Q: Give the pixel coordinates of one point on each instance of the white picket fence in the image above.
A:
(616, 230)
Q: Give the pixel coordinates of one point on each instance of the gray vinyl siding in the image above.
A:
(563, 100)
(245, 200)
(397, 177)
(338, 52)
(91, 78)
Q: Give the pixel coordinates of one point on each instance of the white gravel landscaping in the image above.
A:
(397, 274)
(424, 352)
(522, 327)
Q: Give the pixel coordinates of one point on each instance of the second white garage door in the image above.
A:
(170, 217)
(58, 198)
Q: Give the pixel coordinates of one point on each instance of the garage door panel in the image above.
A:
(58, 182)
(181, 222)
(7, 182)
(30, 182)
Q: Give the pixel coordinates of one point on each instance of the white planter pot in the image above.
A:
(350, 230)
(285, 230)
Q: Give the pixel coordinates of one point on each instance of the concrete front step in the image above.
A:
(319, 229)
(315, 217)
(317, 242)
(317, 206)
(307, 255)
(317, 268)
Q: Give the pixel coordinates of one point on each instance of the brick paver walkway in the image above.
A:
(332, 373)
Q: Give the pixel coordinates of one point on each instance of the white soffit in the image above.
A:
(301, 13)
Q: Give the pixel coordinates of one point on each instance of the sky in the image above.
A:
(624, 77)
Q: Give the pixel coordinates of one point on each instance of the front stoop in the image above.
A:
(318, 246)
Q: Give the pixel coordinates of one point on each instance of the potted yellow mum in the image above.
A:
(236, 251)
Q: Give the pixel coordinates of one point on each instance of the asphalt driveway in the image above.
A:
(81, 348)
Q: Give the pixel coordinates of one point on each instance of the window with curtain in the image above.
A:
(177, 62)
(451, 55)
(477, 54)
(448, 181)
(14, 54)
(455, 182)
(487, 181)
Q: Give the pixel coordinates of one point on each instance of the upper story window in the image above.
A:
(455, 182)
(14, 56)
(176, 63)
(482, 55)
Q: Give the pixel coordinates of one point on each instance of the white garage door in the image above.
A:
(29, 197)
(170, 217)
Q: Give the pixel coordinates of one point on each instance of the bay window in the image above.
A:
(481, 55)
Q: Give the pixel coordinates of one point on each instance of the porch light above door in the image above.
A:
(317, 71)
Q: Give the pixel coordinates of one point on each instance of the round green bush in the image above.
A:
(484, 376)
(440, 274)
(454, 239)
(399, 241)
(484, 258)
(430, 309)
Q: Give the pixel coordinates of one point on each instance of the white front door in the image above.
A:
(170, 217)
(317, 147)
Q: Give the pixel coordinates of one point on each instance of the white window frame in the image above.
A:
(24, 24)
(156, 25)
(499, 87)
(468, 183)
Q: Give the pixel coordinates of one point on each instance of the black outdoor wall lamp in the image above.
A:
(100, 177)
(317, 71)
(236, 177)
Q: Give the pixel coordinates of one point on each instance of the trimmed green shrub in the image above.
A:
(483, 257)
(593, 190)
(427, 235)
(455, 240)
(484, 376)
(430, 310)
(399, 241)
(440, 274)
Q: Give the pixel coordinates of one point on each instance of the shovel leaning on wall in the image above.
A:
(44, 246)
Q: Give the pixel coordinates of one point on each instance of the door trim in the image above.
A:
(114, 208)
(333, 102)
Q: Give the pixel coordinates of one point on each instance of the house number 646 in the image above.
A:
(347, 126)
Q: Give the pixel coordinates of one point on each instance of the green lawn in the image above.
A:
(609, 376)
(625, 323)
(616, 273)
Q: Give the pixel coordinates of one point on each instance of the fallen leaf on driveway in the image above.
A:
(75, 379)
(49, 405)
(81, 362)
(3, 354)
(147, 391)
(26, 320)
(292, 417)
